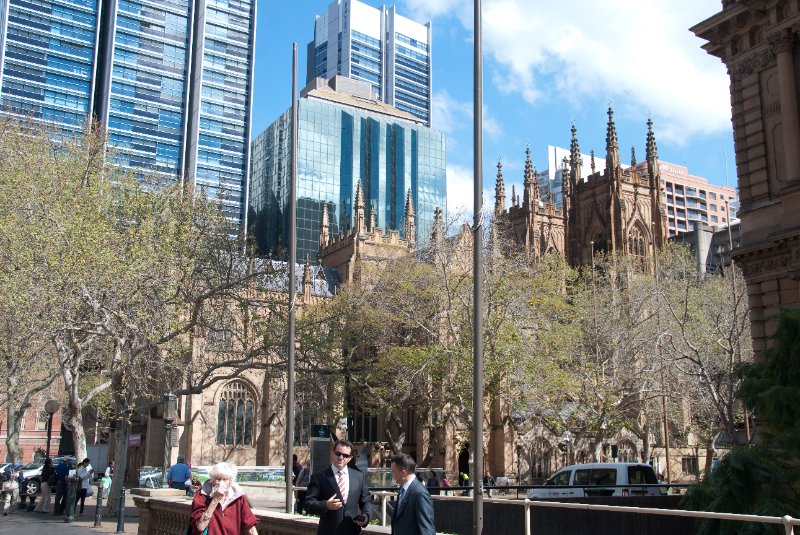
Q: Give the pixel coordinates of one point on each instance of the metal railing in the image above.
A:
(787, 521)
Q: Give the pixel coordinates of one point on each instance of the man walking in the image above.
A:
(339, 495)
(179, 473)
(413, 514)
(62, 473)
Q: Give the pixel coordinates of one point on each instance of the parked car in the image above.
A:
(600, 479)
(32, 474)
(151, 477)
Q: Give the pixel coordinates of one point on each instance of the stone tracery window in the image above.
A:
(637, 243)
(235, 415)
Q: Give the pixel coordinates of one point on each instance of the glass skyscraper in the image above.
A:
(375, 45)
(171, 80)
(343, 140)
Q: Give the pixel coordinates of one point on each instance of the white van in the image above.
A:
(599, 479)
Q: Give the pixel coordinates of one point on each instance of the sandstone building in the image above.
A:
(757, 41)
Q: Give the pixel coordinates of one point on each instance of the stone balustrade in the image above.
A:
(165, 512)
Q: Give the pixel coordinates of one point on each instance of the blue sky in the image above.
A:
(546, 64)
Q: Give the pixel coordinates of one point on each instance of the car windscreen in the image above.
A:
(560, 479)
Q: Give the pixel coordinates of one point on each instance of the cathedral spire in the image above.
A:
(575, 160)
(513, 195)
(499, 191)
(437, 232)
(410, 229)
(633, 156)
(359, 210)
(592, 161)
(308, 279)
(530, 183)
(612, 145)
(373, 218)
(324, 227)
(652, 149)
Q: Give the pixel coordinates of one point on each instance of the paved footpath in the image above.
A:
(30, 523)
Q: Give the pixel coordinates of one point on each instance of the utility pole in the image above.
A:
(292, 277)
(477, 285)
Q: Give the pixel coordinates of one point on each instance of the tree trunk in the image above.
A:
(75, 423)
(646, 447)
(121, 464)
(13, 425)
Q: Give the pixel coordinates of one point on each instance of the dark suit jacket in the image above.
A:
(414, 515)
(322, 486)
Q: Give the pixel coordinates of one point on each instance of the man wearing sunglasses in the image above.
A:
(339, 495)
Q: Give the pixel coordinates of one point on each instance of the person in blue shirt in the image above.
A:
(62, 472)
(179, 473)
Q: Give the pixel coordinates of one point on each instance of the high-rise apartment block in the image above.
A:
(345, 138)
(375, 45)
(170, 80)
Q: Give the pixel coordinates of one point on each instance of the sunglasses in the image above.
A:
(342, 455)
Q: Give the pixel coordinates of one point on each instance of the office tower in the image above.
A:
(170, 80)
(344, 138)
(375, 45)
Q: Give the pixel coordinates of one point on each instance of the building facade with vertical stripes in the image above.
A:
(375, 45)
(170, 80)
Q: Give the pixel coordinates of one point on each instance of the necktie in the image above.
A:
(400, 495)
(342, 486)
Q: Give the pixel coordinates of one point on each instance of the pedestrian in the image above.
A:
(445, 484)
(413, 514)
(296, 467)
(488, 481)
(10, 487)
(339, 494)
(433, 484)
(48, 477)
(62, 473)
(221, 505)
(84, 473)
(110, 469)
(302, 481)
(463, 480)
(179, 473)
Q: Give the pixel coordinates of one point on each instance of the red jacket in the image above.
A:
(236, 519)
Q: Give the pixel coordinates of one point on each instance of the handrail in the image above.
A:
(787, 521)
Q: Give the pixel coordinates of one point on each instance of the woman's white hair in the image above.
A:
(223, 470)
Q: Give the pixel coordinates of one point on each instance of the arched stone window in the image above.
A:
(637, 243)
(235, 415)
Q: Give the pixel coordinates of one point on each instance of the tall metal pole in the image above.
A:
(49, 433)
(292, 292)
(477, 272)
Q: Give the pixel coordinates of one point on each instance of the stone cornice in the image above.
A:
(754, 62)
(769, 260)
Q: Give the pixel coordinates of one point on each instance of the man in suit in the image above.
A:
(413, 514)
(339, 495)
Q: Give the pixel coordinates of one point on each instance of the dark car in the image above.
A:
(32, 474)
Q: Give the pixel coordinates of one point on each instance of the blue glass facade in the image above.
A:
(171, 80)
(377, 46)
(47, 54)
(338, 146)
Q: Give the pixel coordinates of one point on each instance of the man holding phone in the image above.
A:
(339, 495)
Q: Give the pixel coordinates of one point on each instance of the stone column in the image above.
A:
(782, 43)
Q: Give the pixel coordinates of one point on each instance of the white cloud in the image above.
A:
(450, 115)
(461, 188)
(639, 54)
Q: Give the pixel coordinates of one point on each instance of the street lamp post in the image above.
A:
(51, 407)
(170, 414)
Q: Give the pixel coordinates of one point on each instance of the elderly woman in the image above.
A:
(221, 505)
